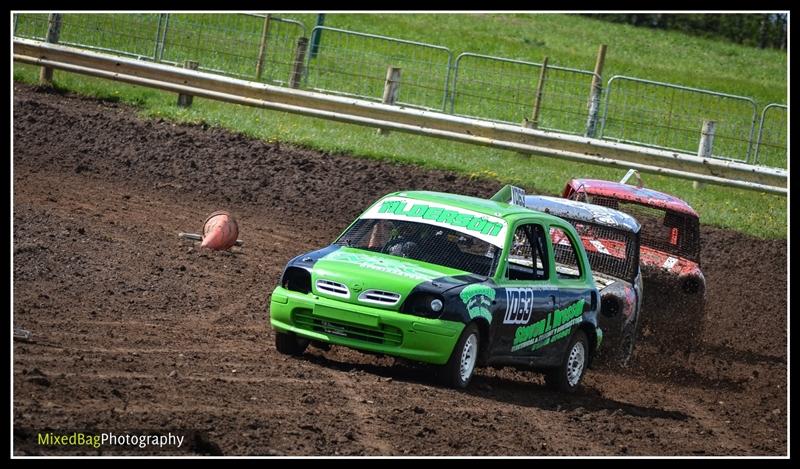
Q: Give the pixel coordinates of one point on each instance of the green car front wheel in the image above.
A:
(458, 370)
(288, 343)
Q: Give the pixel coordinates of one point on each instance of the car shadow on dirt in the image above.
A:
(670, 374)
(395, 369)
(536, 395)
(501, 389)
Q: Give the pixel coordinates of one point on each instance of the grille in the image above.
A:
(333, 288)
(385, 335)
(385, 298)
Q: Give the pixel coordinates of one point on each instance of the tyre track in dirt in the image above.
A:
(365, 432)
(119, 303)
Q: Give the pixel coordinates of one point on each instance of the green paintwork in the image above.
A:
(423, 339)
(370, 270)
(344, 320)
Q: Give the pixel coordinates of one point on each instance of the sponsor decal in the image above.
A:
(382, 264)
(478, 298)
(519, 305)
(488, 228)
(599, 246)
(670, 263)
(673, 236)
(442, 215)
(334, 329)
(517, 196)
(557, 325)
(512, 194)
(608, 247)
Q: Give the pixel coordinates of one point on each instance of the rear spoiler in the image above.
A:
(511, 194)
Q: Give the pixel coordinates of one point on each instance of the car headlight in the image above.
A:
(296, 279)
(427, 305)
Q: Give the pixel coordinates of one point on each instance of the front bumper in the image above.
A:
(363, 327)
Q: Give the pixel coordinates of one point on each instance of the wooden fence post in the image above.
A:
(53, 33)
(299, 60)
(262, 48)
(390, 89)
(537, 100)
(185, 100)
(595, 92)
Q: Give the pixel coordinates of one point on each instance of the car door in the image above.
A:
(525, 296)
(575, 294)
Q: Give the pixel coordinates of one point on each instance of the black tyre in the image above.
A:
(320, 345)
(460, 367)
(568, 375)
(288, 343)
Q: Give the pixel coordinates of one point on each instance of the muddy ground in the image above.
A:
(138, 330)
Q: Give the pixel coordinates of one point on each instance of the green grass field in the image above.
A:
(568, 40)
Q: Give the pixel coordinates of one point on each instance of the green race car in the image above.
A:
(448, 280)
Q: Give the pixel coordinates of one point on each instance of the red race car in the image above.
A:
(670, 243)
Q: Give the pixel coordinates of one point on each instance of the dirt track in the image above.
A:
(137, 329)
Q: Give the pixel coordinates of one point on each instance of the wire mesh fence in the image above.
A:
(31, 26)
(240, 45)
(133, 35)
(355, 64)
(772, 145)
(669, 116)
(244, 45)
(264, 47)
(505, 90)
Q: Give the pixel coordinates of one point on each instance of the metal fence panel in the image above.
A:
(504, 90)
(30, 25)
(354, 64)
(772, 145)
(279, 48)
(230, 44)
(262, 47)
(667, 116)
(131, 34)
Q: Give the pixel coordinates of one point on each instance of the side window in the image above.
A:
(527, 259)
(566, 256)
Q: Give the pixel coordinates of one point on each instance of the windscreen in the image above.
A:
(665, 230)
(610, 251)
(423, 242)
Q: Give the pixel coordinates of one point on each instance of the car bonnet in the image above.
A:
(351, 275)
